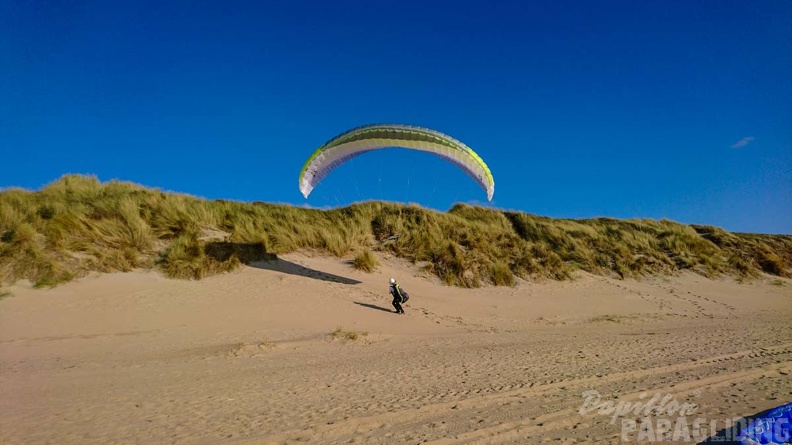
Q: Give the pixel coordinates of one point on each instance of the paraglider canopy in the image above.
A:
(363, 139)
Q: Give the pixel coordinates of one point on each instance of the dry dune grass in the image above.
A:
(366, 261)
(347, 334)
(77, 224)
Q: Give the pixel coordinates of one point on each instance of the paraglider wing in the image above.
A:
(363, 139)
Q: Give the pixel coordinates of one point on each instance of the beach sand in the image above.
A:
(249, 356)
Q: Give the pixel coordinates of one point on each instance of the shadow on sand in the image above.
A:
(374, 306)
(281, 265)
(256, 255)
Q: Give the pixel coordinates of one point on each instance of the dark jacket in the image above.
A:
(398, 293)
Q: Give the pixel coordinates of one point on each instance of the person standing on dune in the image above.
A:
(399, 296)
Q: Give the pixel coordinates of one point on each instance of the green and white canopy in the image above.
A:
(373, 137)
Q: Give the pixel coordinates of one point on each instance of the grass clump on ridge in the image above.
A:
(366, 261)
(76, 225)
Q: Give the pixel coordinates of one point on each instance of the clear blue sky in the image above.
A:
(670, 109)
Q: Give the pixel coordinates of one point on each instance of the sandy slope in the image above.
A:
(247, 357)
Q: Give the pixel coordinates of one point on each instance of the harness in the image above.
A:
(399, 293)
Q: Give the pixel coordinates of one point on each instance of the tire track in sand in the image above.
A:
(512, 412)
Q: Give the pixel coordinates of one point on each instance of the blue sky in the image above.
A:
(673, 109)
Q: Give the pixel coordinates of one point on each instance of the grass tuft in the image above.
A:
(366, 261)
(344, 334)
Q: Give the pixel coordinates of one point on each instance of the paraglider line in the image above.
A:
(354, 178)
(434, 189)
(409, 176)
(379, 176)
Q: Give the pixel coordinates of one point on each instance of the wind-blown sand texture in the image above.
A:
(248, 356)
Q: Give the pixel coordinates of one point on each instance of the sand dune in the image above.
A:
(248, 357)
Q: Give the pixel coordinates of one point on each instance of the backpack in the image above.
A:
(404, 295)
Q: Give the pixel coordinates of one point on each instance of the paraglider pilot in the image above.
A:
(399, 296)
